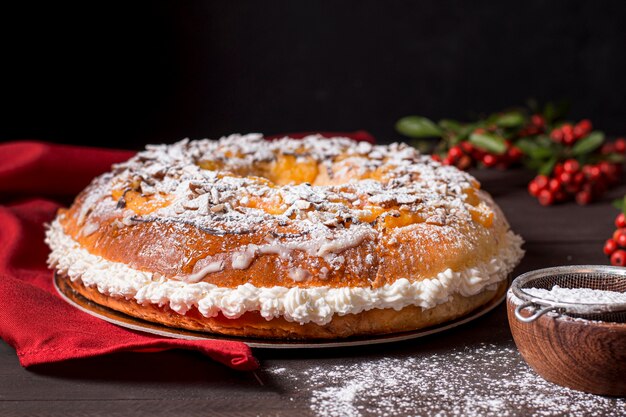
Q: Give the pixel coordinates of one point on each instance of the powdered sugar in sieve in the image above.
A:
(591, 292)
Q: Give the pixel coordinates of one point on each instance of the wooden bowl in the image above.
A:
(587, 356)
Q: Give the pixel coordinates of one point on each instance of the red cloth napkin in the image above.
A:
(33, 318)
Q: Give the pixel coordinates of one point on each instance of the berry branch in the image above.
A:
(615, 248)
(572, 161)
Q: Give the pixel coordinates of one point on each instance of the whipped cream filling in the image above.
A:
(301, 305)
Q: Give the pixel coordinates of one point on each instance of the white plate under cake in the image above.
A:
(293, 238)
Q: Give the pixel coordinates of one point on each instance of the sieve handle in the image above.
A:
(538, 313)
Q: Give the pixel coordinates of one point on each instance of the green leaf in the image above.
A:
(542, 152)
(544, 140)
(449, 124)
(615, 158)
(533, 149)
(453, 139)
(533, 164)
(418, 127)
(547, 167)
(489, 142)
(509, 119)
(422, 145)
(620, 204)
(466, 130)
(549, 112)
(527, 145)
(588, 144)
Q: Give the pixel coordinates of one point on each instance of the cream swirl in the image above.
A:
(301, 305)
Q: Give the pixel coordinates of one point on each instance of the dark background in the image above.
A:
(126, 74)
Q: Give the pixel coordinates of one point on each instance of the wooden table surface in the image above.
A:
(471, 370)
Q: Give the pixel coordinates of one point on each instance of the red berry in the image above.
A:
(558, 170)
(464, 162)
(489, 160)
(569, 140)
(455, 152)
(609, 171)
(542, 181)
(618, 233)
(579, 177)
(467, 147)
(554, 185)
(560, 195)
(579, 132)
(436, 157)
(594, 172)
(610, 246)
(620, 220)
(621, 240)
(557, 135)
(583, 198)
(515, 153)
(529, 131)
(571, 166)
(568, 134)
(618, 258)
(620, 145)
(478, 154)
(537, 120)
(545, 197)
(566, 178)
(607, 148)
(585, 126)
(572, 187)
(447, 161)
(533, 188)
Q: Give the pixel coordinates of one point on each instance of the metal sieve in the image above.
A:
(596, 277)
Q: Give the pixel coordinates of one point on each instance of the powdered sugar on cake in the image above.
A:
(327, 219)
(218, 187)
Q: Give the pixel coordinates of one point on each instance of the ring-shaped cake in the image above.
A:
(292, 238)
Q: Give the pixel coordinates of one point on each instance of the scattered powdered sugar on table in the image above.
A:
(578, 295)
(458, 384)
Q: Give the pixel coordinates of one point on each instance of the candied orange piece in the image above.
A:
(141, 204)
(472, 199)
(483, 217)
(269, 205)
(287, 169)
(406, 218)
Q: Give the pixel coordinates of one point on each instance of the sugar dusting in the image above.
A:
(482, 380)
(578, 295)
(216, 186)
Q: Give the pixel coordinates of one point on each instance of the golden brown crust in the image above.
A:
(326, 215)
(417, 251)
(251, 324)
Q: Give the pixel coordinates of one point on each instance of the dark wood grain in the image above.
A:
(187, 384)
(575, 354)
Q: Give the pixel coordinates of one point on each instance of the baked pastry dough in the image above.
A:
(310, 238)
